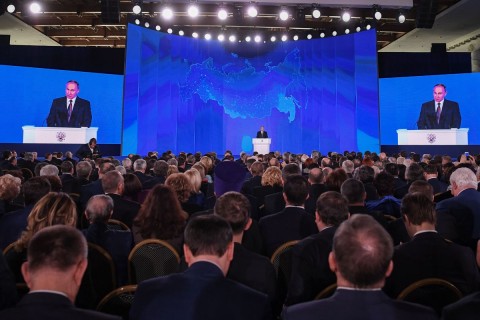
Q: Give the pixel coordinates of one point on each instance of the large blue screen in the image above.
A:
(26, 95)
(401, 100)
(187, 94)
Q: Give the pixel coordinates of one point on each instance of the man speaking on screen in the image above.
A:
(70, 111)
(439, 113)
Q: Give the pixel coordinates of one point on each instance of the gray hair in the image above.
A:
(121, 169)
(49, 170)
(464, 178)
(140, 164)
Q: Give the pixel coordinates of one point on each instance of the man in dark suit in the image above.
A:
(140, 167)
(315, 189)
(95, 187)
(361, 259)
(468, 308)
(56, 262)
(256, 170)
(439, 113)
(70, 111)
(202, 291)
(310, 270)
(293, 222)
(123, 210)
(247, 267)
(262, 133)
(431, 175)
(458, 218)
(89, 150)
(428, 255)
(69, 183)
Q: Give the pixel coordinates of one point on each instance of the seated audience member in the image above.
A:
(271, 183)
(161, 217)
(27, 162)
(315, 189)
(248, 268)
(183, 189)
(428, 255)
(117, 242)
(422, 187)
(202, 291)
(56, 262)
(361, 258)
(393, 169)
(9, 191)
(84, 170)
(121, 169)
(69, 183)
(69, 157)
(431, 175)
(334, 180)
(256, 169)
(160, 169)
(310, 270)
(8, 291)
(468, 308)
(123, 210)
(196, 197)
(413, 172)
(95, 187)
(13, 223)
(366, 175)
(54, 208)
(49, 170)
(127, 163)
(132, 188)
(348, 166)
(140, 167)
(387, 203)
(458, 218)
(293, 223)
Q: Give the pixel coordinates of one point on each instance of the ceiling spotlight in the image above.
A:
(334, 33)
(137, 9)
(316, 13)
(295, 37)
(248, 38)
(169, 30)
(167, 13)
(158, 28)
(347, 31)
(181, 33)
(273, 38)
(35, 7)
(358, 29)
(208, 36)
(284, 38)
(252, 11)
(195, 35)
(232, 38)
(221, 37)
(193, 11)
(309, 36)
(401, 18)
(147, 24)
(137, 22)
(322, 35)
(257, 38)
(222, 14)
(11, 8)
(377, 14)
(368, 27)
(283, 15)
(346, 16)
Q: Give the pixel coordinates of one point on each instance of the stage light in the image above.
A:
(167, 13)
(208, 36)
(283, 15)
(273, 38)
(195, 35)
(169, 30)
(346, 16)
(193, 10)
(284, 38)
(322, 35)
(334, 33)
(377, 14)
(295, 38)
(11, 8)
(221, 37)
(252, 11)
(309, 36)
(368, 27)
(137, 22)
(232, 38)
(358, 29)
(347, 31)
(222, 14)
(147, 24)
(248, 38)
(401, 18)
(257, 38)
(158, 28)
(181, 33)
(137, 9)
(316, 13)
(35, 7)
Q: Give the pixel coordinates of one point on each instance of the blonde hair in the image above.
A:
(9, 187)
(171, 170)
(52, 209)
(272, 177)
(181, 184)
(195, 179)
(207, 163)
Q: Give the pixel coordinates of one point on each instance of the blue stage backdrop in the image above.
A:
(401, 100)
(186, 94)
(26, 95)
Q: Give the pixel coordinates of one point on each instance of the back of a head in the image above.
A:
(365, 174)
(160, 168)
(315, 176)
(362, 250)
(66, 167)
(106, 167)
(335, 179)
(296, 190)
(99, 208)
(464, 178)
(414, 172)
(272, 177)
(182, 186)
(34, 189)
(332, 208)
(392, 168)
(431, 169)
(290, 170)
(9, 187)
(111, 181)
(235, 208)
(422, 186)
(83, 168)
(132, 185)
(353, 190)
(419, 208)
(208, 235)
(348, 166)
(384, 183)
(49, 170)
(257, 168)
(56, 247)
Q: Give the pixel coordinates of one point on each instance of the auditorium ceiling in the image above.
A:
(81, 23)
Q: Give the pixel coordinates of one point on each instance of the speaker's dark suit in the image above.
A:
(449, 118)
(292, 223)
(261, 134)
(52, 306)
(467, 308)
(81, 114)
(201, 292)
(310, 270)
(358, 305)
(428, 255)
(458, 218)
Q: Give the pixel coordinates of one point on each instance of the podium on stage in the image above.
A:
(261, 145)
(440, 137)
(58, 135)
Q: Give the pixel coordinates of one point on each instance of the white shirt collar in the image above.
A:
(73, 101)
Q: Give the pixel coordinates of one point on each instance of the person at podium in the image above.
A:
(88, 150)
(262, 133)
(439, 113)
(71, 110)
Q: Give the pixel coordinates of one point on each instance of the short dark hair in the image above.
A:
(35, 188)
(384, 183)
(418, 207)
(365, 174)
(57, 247)
(353, 190)
(392, 168)
(414, 172)
(84, 169)
(421, 186)
(235, 208)
(332, 208)
(291, 169)
(99, 208)
(363, 250)
(208, 234)
(66, 167)
(315, 175)
(296, 189)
